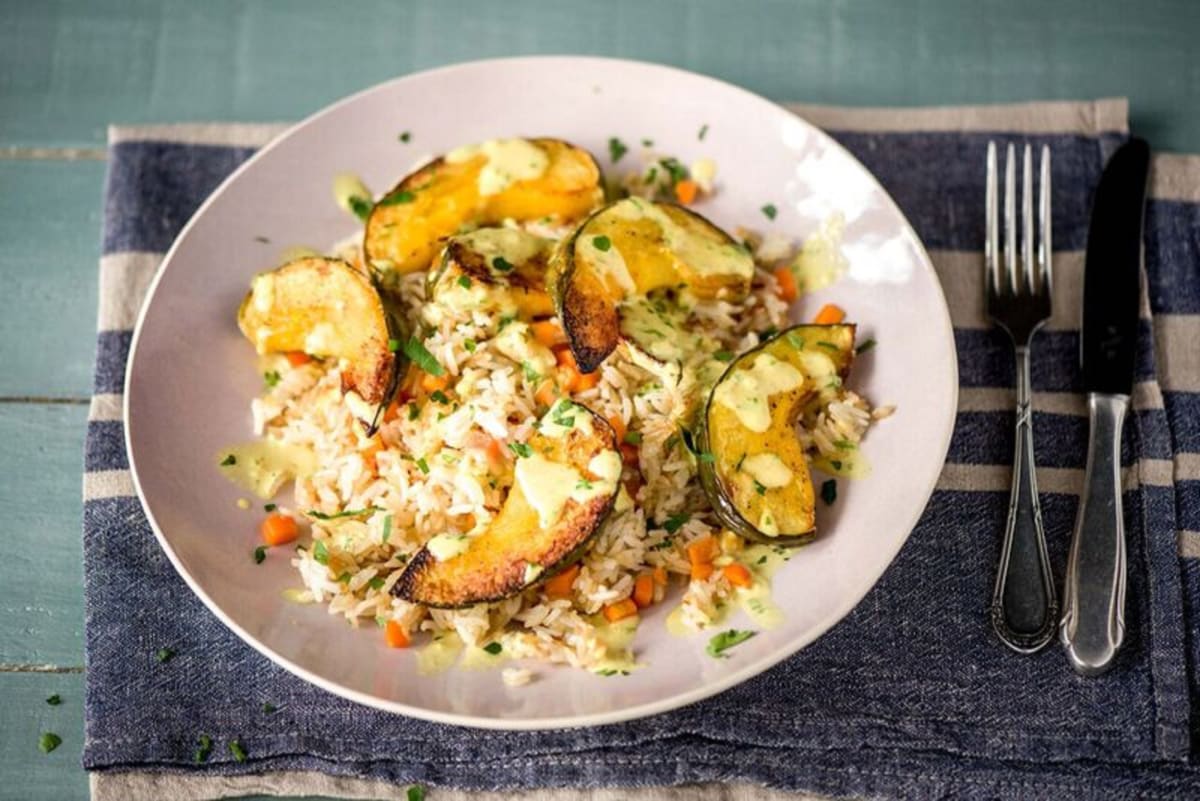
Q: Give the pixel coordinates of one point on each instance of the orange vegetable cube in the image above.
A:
(279, 529)
(395, 636)
(620, 610)
(787, 284)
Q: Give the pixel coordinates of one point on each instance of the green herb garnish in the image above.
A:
(423, 465)
(616, 149)
(268, 707)
(828, 346)
(770, 211)
(416, 350)
(271, 378)
(520, 449)
(49, 741)
(493, 648)
(345, 577)
(405, 137)
(836, 464)
(260, 554)
(376, 583)
(760, 488)
(416, 793)
(723, 356)
(503, 265)
(602, 243)
(583, 484)
(440, 397)
(703, 132)
(865, 346)
(401, 197)
(762, 560)
(632, 438)
(164, 654)
(361, 207)
(720, 643)
(767, 333)
(229, 461)
(675, 522)
(239, 753)
(203, 749)
(269, 507)
(531, 374)
(675, 169)
(469, 345)
(464, 281)
(313, 513)
(54, 700)
(320, 553)
(393, 345)
(387, 529)
(795, 340)
(829, 492)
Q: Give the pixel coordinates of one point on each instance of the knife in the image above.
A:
(1093, 623)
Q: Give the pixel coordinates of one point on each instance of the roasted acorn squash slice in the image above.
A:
(493, 269)
(326, 308)
(519, 179)
(566, 479)
(628, 249)
(757, 478)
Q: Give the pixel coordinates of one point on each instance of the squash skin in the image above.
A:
(587, 304)
(401, 238)
(494, 567)
(362, 328)
(738, 509)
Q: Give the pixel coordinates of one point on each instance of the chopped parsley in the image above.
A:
(387, 529)
(560, 415)
(676, 170)
(502, 265)
(759, 487)
(770, 211)
(271, 378)
(440, 397)
(262, 240)
(616, 149)
(795, 340)
(464, 281)
(767, 333)
(690, 443)
(720, 643)
(229, 461)
(401, 197)
(164, 654)
(675, 522)
(493, 648)
(762, 560)
(320, 553)
(54, 700)
(866, 346)
(416, 350)
(344, 578)
(520, 449)
(844, 444)
(361, 207)
(269, 507)
(49, 741)
(531, 374)
(268, 707)
(260, 554)
(612, 672)
(505, 321)
(393, 345)
(723, 356)
(313, 513)
(602, 243)
(828, 346)
(405, 137)
(423, 465)
(416, 793)
(203, 749)
(239, 753)
(632, 438)
(737, 468)
(376, 583)
(647, 143)
(703, 132)
(469, 345)
(836, 464)
(414, 411)
(829, 492)
(583, 484)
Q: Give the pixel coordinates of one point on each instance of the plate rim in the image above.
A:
(624, 714)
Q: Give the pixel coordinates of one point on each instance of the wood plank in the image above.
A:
(41, 605)
(28, 773)
(72, 67)
(50, 216)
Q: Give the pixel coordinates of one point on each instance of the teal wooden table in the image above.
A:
(69, 68)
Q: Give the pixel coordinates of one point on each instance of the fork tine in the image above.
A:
(1010, 218)
(1027, 231)
(991, 246)
(1045, 252)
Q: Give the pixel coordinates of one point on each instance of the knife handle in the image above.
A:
(1024, 603)
(1093, 623)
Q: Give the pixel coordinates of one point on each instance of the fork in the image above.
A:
(1024, 603)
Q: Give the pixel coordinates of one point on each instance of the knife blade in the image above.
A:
(1093, 623)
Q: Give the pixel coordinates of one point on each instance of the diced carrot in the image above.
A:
(830, 314)
(584, 381)
(371, 451)
(738, 575)
(564, 357)
(548, 332)
(629, 453)
(787, 284)
(560, 586)
(686, 190)
(620, 610)
(702, 571)
(395, 635)
(660, 576)
(298, 358)
(702, 551)
(643, 590)
(618, 426)
(432, 383)
(495, 450)
(279, 529)
(547, 393)
(393, 410)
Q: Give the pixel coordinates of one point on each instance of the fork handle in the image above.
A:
(1093, 624)
(1024, 602)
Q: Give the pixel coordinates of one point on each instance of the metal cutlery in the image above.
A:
(1093, 624)
(1024, 604)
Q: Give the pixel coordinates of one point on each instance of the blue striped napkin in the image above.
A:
(911, 696)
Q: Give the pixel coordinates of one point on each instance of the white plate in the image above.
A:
(191, 374)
